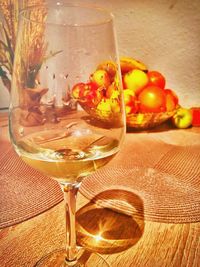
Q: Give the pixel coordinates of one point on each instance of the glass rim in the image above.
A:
(108, 14)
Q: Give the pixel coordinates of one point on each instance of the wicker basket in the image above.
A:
(138, 121)
(147, 120)
(105, 116)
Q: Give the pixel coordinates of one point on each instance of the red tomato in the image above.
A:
(195, 116)
(91, 95)
(90, 86)
(87, 93)
(77, 90)
(156, 78)
(131, 102)
(171, 100)
(152, 99)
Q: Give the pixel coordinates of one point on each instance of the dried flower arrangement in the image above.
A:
(9, 11)
(33, 52)
(29, 58)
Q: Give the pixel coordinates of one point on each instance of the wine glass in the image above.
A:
(66, 113)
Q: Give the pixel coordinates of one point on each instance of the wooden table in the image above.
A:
(154, 244)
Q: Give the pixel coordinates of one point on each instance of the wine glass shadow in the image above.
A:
(111, 222)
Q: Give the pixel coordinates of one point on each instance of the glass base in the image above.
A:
(85, 258)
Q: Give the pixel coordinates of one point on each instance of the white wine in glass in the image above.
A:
(66, 113)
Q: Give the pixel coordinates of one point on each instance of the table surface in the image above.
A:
(153, 244)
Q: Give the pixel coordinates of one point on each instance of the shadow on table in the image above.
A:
(111, 222)
(164, 127)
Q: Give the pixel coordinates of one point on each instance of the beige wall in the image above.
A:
(164, 34)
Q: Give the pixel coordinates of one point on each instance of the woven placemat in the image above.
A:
(165, 177)
(24, 192)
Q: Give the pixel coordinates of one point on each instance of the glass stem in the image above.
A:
(70, 194)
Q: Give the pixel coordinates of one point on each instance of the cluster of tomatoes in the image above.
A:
(102, 91)
(145, 92)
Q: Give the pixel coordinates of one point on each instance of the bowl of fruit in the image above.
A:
(148, 102)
